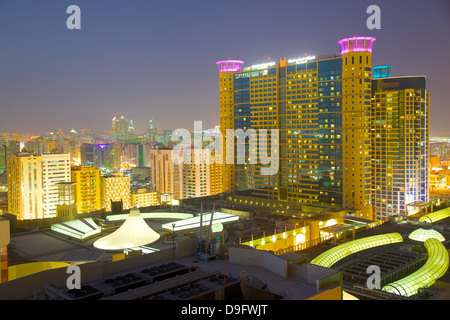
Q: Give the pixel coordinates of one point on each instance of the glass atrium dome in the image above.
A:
(424, 234)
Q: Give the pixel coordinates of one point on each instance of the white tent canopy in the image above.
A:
(134, 232)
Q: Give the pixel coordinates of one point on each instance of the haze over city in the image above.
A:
(157, 59)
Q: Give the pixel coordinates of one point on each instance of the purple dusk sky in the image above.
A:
(157, 59)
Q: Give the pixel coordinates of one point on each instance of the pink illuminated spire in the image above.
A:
(356, 44)
(230, 65)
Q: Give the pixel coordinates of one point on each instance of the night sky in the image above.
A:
(157, 59)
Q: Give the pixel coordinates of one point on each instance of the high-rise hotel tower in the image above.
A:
(228, 71)
(322, 107)
(400, 143)
(356, 104)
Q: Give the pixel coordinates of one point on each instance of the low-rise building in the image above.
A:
(143, 198)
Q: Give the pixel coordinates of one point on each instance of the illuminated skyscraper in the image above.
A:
(102, 156)
(151, 132)
(400, 142)
(166, 176)
(120, 128)
(228, 69)
(356, 145)
(87, 154)
(25, 186)
(55, 169)
(87, 188)
(323, 108)
(302, 98)
(196, 175)
(131, 127)
(215, 174)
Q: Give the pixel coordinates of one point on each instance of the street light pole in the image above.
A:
(173, 241)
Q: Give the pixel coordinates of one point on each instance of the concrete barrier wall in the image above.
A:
(275, 264)
(260, 259)
(315, 273)
(244, 256)
(297, 271)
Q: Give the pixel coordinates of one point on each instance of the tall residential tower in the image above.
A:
(400, 143)
(356, 102)
(25, 195)
(227, 70)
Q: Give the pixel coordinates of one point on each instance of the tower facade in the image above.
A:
(166, 176)
(120, 127)
(350, 136)
(25, 186)
(66, 206)
(196, 175)
(151, 132)
(356, 143)
(115, 187)
(227, 71)
(87, 188)
(400, 143)
(55, 169)
(302, 99)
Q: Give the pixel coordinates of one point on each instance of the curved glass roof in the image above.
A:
(435, 267)
(436, 216)
(330, 257)
(424, 234)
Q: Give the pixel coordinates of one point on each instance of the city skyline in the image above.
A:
(306, 141)
(151, 60)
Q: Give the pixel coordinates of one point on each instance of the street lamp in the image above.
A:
(173, 241)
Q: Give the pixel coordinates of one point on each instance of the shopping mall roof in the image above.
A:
(134, 232)
(194, 222)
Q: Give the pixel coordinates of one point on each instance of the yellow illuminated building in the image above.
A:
(349, 136)
(142, 198)
(356, 144)
(25, 195)
(227, 69)
(115, 187)
(303, 99)
(166, 176)
(215, 175)
(400, 140)
(87, 188)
